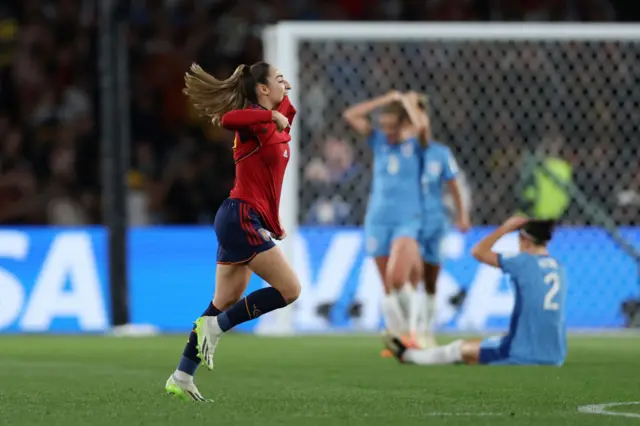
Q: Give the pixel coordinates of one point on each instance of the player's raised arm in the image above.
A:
(419, 119)
(463, 222)
(450, 174)
(240, 119)
(423, 105)
(483, 250)
(357, 115)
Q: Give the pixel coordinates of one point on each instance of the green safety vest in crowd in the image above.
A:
(545, 198)
(8, 37)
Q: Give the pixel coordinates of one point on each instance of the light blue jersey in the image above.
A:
(394, 208)
(537, 333)
(438, 167)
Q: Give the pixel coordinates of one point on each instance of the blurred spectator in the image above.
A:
(17, 181)
(546, 194)
(336, 179)
(185, 201)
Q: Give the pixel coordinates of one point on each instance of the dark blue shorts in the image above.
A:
(495, 351)
(241, 233)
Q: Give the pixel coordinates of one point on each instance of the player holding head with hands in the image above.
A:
(537, 333)
(393, 215)
(253, 103)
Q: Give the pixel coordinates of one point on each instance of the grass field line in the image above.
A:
(420, 415)
(479, 414)
(603, 409)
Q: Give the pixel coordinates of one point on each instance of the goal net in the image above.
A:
(531, 112)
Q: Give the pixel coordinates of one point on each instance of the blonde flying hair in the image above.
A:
(214, 98)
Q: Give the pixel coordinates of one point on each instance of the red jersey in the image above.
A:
(261, 154)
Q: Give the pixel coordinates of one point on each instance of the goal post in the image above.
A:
(498, 91)
(295, 32)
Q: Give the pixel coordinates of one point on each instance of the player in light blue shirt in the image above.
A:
(393, 217)
(537, 332)
(439, 170)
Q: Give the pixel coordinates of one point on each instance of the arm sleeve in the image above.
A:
(510, 262)
(288, 110)
(451, 169)
(245, 118)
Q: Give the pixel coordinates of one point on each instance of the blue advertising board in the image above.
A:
(55, 280)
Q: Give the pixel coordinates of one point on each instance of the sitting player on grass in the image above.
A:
(537, 333)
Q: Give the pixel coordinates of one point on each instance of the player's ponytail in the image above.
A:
(214, 98)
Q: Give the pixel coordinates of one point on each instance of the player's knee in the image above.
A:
(291, 291)
(399, 272)
(396, 276)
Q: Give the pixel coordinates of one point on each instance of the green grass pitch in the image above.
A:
(339, 380)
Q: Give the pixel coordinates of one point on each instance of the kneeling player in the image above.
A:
(537, 330)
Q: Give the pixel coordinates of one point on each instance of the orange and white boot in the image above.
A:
(410, 341)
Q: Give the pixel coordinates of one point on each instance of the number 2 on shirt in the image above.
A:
(552, 279)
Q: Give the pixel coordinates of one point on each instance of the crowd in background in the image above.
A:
(181, 168)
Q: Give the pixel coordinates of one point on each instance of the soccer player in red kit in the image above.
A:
(252, 102)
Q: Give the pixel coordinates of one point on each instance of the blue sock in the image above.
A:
(190, 361)
(257, 303)
(211, 311)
